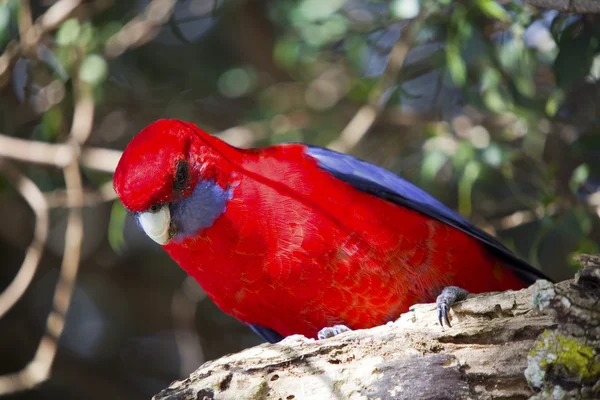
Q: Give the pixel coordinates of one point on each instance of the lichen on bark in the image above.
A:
(565, 362)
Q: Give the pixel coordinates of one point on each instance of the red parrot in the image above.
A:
(292, 239)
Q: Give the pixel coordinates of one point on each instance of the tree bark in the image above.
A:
(571, 6)
(543, 341)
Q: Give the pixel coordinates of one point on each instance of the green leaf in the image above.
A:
(286, 52)
(318, 10)
(492, 9)
(493, 155)
(405, 9)
(433, 161)
(335, 27)
(459, 30)
(456, 66)
(68, 33)
(51, 124)
(116, 225)
(356, 47)
(237, 82)
(464, 155)
(5, 16)
(554, 102)
(93, 69)
(88, 37)
(525, 85)
(495, 101)
(465, 187)
(490, 78)
(361, 89)
(579, 176)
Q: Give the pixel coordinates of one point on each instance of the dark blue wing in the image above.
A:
(267, 334)
(382, 183)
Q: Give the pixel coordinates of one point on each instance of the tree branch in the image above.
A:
(483, 356)
(571, 6)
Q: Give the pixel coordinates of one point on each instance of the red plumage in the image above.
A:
(297, 249)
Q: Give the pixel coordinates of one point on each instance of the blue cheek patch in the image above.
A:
(200, 210)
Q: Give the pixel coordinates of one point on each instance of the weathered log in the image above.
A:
(543, 341)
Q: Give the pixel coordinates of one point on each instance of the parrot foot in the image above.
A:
(449, 296)
(332, 331)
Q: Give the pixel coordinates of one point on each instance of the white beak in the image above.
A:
(156, 224)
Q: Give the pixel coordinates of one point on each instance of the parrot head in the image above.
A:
(175, 178)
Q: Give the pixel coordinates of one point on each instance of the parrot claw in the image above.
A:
(449, 296)
(332, 331)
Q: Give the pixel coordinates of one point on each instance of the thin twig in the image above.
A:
(366, 116)
(57, 14)
(34, 197)
(31, 34)
(142, 29)
(99, 159)
(57, 154)
(38, 369)
(59, 199)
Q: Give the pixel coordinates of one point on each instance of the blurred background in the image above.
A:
(492, 106)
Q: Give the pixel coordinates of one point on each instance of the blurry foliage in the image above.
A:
(494, 111)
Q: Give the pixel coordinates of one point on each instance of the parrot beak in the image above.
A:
(157, 224)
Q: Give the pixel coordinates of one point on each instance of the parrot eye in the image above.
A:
(155, 208)
(181, 176)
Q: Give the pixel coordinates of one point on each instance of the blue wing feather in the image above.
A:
(382, 183)
(266, 334)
